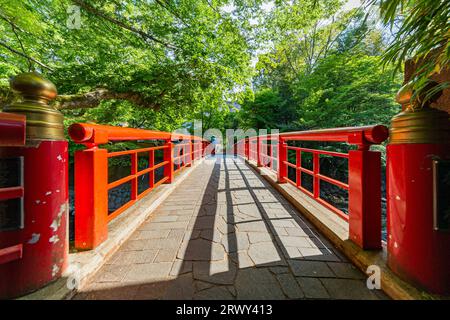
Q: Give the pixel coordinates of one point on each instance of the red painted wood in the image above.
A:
(44, 235)
(416, 251)
(12, 129)
(282, 158)
(316, 180)
(364, 195)
(169, 158)
(11, 253)
(11, 193)
(91, 198)
(101, 134)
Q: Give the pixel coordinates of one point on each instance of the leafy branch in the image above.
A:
(141, 33)
(3, 44)
(94, 98)
(423, 35)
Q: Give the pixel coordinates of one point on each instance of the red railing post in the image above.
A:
(365, 198)
(258, 152)
(247, 148)
(282, 158)
(91, 198)
(270, 154)
(134, 181)
(298, 164)
(316, 171)
(189, 154)
(151, 163)
(168, 157)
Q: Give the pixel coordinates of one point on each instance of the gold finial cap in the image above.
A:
(404, 95)
(44, 122)
(418, 124)
(33, 86)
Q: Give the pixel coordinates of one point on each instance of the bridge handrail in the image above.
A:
(374, 134)
(364, 172)
(100, 134)
(91, 173)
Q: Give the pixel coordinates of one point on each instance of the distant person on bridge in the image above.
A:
(214, 144)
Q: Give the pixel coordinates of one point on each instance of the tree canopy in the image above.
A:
(161, 64)
(151, 54)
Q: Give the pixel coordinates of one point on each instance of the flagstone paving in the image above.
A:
(225, 233)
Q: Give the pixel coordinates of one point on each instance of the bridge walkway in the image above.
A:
(225, 233)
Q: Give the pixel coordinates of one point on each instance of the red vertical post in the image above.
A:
(258, 152)
(365, 198)
(316, 171)
(151, 164)
(298, 164)
(254, 149)
(177, 156)
(195, 150)
(91, 198)
(168, 157)
(134, 181)
(282, 158)
(247, 148)
(189, 154)
(269, 153)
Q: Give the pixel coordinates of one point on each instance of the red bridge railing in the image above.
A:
(364, 172)
(12, 133)
(91, 173)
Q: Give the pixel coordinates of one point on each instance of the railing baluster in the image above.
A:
(298, 164)
(168, 157)
(269, 154)
(189, 154)
(247, 149)
(91, 197)
(364, 198)
(258, 152)
(134, 170)
(282, 158)
(151, 164)
(316, 170)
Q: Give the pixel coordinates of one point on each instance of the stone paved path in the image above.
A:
(225, 233)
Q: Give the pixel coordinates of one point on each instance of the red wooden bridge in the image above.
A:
(225, 232)
(252, 224)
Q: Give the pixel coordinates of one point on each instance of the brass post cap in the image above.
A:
(33, 85)
(419, 123)
(44, 122)
(404, 95)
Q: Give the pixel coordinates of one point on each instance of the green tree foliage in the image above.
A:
(323, 74)
(168, 58)
(346, 90)
(268, 110)
(162, 64)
